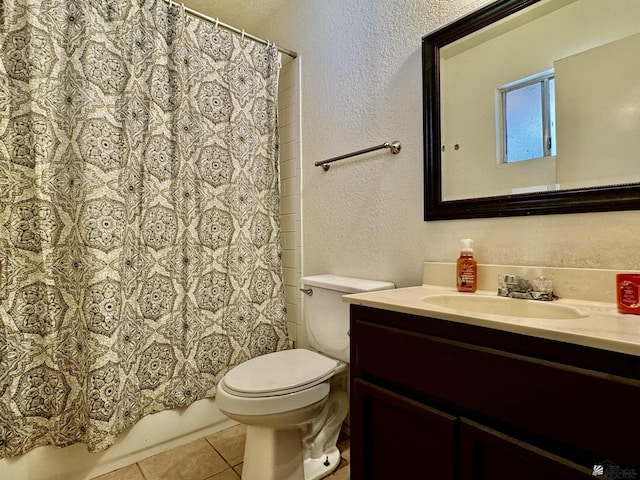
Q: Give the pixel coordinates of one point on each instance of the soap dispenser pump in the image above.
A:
(466, 267)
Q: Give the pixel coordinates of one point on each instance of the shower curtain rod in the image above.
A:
(202, 16)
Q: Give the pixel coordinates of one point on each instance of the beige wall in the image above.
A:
(361, 85)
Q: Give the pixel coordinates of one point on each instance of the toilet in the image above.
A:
(293, 402)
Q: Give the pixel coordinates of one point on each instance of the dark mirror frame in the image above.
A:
(594, 199)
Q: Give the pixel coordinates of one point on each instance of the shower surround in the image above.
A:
(139, 210)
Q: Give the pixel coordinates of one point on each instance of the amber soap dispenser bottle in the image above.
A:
(467, 267)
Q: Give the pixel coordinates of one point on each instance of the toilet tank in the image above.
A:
(326, 316)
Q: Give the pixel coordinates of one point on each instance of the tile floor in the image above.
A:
(214, 457)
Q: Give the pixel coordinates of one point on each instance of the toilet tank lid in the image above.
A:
(345, 284)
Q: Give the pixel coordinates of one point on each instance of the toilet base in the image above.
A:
(277, 455)
(271, 454)
(316, 468)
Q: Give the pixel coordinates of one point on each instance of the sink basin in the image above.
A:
(504, 306)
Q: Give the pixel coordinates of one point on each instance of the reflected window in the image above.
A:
(527, 118)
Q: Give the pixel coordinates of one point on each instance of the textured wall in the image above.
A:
(361, 85)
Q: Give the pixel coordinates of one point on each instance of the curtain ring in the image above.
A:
(243, 36)
(217, 22)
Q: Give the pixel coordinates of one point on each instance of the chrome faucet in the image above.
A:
(514, 286)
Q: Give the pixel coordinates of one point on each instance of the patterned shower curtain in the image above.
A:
(139, 204)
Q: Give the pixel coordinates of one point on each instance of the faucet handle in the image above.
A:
(513, 286)
(514, 283)
(543, 289)
(543, 284)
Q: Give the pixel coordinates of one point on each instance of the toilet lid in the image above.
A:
(279, 373)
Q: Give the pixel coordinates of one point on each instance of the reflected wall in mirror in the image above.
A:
(588, 50)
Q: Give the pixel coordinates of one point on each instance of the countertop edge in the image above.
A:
(607, 329)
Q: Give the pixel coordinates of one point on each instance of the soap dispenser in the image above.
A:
(466, 267)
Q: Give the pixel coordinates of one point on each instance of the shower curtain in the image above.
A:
(139, 215)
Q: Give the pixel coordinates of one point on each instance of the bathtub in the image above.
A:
(151, 435)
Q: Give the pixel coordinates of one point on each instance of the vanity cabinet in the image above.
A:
(440, 399)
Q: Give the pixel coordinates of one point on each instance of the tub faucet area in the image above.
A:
(514, 286)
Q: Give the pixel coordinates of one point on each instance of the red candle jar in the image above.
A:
(628, 292)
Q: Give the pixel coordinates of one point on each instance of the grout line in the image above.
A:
(219, 453)
(141, 472)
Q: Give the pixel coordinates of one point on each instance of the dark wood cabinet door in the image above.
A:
(393, 437)
(486, 454)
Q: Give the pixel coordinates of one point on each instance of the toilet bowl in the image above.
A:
(276, 396)
(293, 402)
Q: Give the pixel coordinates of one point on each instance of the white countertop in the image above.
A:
(603, 327)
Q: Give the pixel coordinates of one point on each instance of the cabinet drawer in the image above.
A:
(594, 412)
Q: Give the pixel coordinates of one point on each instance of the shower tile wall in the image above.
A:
(291, 225)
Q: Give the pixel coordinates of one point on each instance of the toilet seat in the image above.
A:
(279, 373)
(234, 406)
(276, 383)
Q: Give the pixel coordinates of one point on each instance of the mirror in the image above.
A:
(587, 48)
